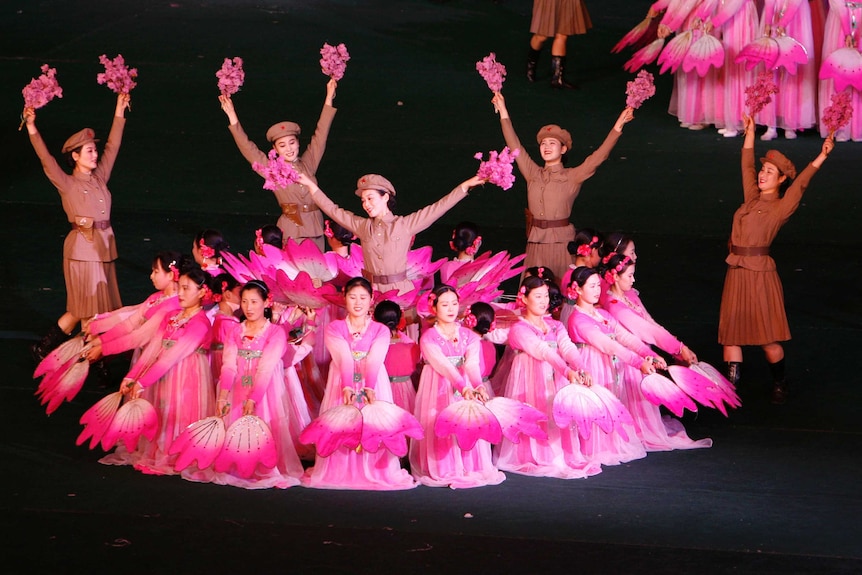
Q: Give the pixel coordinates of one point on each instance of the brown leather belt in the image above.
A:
(384, 279)
(291, 209)
(87, 223)
(544, 224)
(749, 251)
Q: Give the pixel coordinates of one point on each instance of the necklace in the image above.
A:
(453, 337)
(356, 333)
(182, 318)
(593, 313)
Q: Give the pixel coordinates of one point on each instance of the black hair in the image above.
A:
(541, 272)
(196, 274)
(70, 161)
(168, 259)
(555, 297)
(360, 282)
(532, 282)
(614, 261)
(340, 233)
(463, 236)
(272, 235)
(388, 313)
(440, 290)
(257, 285)
(615, 242)
(582, 274)
(484, 314)
(584, 236)
(212, 239)
(224, 282)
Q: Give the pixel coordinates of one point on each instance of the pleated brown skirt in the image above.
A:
(91, 287)
(752, 308)
(567, 17)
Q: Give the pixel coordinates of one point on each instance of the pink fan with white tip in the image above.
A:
(201, 441)
(338, 426)
(59, 356)
(644, 56)
(660, 390)
(674, 52)
(618, 413)
(420, 269)
(248, 444)
(765, 49)
(719, 380)
(386, 424)
(64, 384)
(516, 418)
(697, 386)
(301, 290)
(238, 267)
(576, 403)
(790, 53)
(632, 36)
(97, 419)
(304, 256)
(469, 421)
(134, 419)
(705, 53)
(844, 66)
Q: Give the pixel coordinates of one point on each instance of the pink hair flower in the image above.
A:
(839, 112)
(117, 76)
(333, 61)
(758, 95)
(639, 90)
(43, 89)
(277, 173)
(492, 72)
(497, 169)
(230, 76)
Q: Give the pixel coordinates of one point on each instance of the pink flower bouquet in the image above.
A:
(41, 90)
(118, 77)
(639, 90)
(277, 173)
(492, 72)
(839, 112)
(231, 76)
(497, 169)
(333, 61)
(759, 94)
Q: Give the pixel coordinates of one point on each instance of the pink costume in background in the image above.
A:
(838, 27)
(620, 372)
(401, 360)
(300, 416)
(738, 26)
(487, 363)
(630, 312)
(223, 324)
(451, 367)
(119, 333)
(538, 371)
(174, 371)
(357, 363)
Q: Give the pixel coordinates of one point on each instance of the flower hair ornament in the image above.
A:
(540, 272)
(624, 263)
(585, 249)
(469, 320)
(258, 240)
(206, 251)
(207, 296)
(402, 323)
(571, 293)
(522, 293)
(175, 271)
(432, 299)
(474, 247)
(327, 231)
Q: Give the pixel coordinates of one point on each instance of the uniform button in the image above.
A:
(101, 200)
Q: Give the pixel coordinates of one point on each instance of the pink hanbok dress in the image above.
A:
(300, 416)
(118, 328)
(174, 371)
(630, 312)
(451, 367)
(616, 358)
(223, 324)
(401, 361)
(737, 23)
(538, 371)
(357, 362)
(838, 28)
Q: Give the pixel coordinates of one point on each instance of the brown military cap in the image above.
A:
(781, 162)
(78, 139)
(374, 182)
(554, 131)
(281, 130)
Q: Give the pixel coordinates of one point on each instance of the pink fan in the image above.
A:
(201, 441)
(632, 36)
(576, 403)
(60, 355)
(706, 52)
(764, 49)
(339, 426)
(469, 421)
(384, 423)
(699, 387)
(135, 418)
(64, 384)
(674, 52)
(516, 417)
(844, 66)
(305, 256)
(790, 53)
(726, 10)
(618, 413)
(726, 388)
(660, 390)
(97, 419)
(644, 56)
(248, 443)
(301, 291)
(420, 269)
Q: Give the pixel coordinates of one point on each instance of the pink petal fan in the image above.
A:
(726, 388)
(705, 53)
(644, 56)
(618, 413)
(726, 10)
(660, 390)
(576, 403)
(674, 52)
(469, 421)
(97, 419)
(248, 443)
(632, 36)
(67, 385)
(516, 417)
(352, 267)
(201, 441)
(301, 290)
(764, 49)
(405, 300)
(384, 423)
(339, 426)
(419, 264)
(135, 418)
(306, 256)
(237, 266)
(790, 53)
(60, 355)
(844, 66)
(699, 387)
(45, 389)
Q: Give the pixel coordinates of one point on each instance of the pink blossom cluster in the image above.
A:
(231, 76)
(333, 61)
(492, 72)
(277, 173)
(497, 169)
(639, 90)
(758, 95)
(43, 89)
(117, 75)
(839, 112)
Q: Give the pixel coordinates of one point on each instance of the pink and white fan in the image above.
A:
(576, 403)
(97, 419)
(660, 390)
(135, 418)
(201, 441)
(385, 424)
(59, 356)
(63, 384)
(248, 444)
(469, 421)
(338, 426)
(618, 413)
(697, 386)
(517, 418)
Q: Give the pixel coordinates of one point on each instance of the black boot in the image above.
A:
(779, 383)
(734, 369)
(46, 345)
(532, 60)
(558, 68)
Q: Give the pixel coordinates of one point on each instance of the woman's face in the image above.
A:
(591, 290)
(537, 301)
(626, 279)
(253, 305)
(770, 178)
(374, 203)
(87, 159)
(196, 253)
(552, 150)
(190, 294)
(161, 279)
(231, 297)
(630, 251)
(446, 307)
(287, 147)
(358, 302)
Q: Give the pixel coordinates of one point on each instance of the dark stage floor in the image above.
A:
(778, 491)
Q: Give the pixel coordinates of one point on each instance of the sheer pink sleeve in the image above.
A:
(524, 339)
(438, 361)
(643, 327)
(196, 333)
(228, 365)
(273, 350)
(585, 329)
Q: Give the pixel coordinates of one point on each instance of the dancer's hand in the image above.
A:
(308, 183)
(124, 102)
(828, 146)
(370, 396)
(330, 91)
(228, 109)
(687, 355)
(348, 395)
(500, 105)
(647, 366)
(248, 406)
(626, 116)
(471, 183)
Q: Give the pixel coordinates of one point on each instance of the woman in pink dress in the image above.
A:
(585, 250)
(207, 249)
(621, 360)
(545, 361)
(358, 347)
(466, 241)
(737, 25)
(226, 292)
(173, 374)
(841, 33)
(451, 373)
(402, 357)
(480, 317)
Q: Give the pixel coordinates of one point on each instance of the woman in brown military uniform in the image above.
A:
(752, 304)
(89, 251)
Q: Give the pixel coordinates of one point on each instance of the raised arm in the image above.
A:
(422, 219)
(247, 148)
(525, 164)
(346, 219)
(314, 152)
(115, 138)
